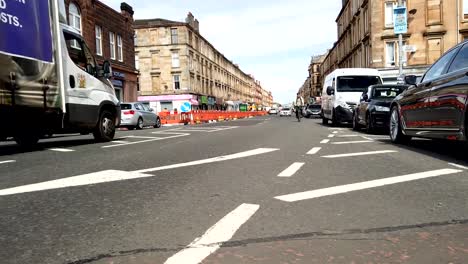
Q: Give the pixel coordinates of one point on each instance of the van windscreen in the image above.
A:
(356, 83)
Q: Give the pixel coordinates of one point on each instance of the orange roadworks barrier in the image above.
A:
(205, 116)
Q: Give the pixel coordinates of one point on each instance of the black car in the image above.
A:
(313, 110)
(373, 110)
(436, 106)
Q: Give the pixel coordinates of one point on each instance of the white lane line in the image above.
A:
(359, 154)
(368, 138)
(144, 141)
(214, 237)
(352, 142)
(115, 175)
(363, 185)
(335, 132)
(335, 128)
(314, 151)
(120, 141)
(140, 137)
(293, 168)
(346, 136)
(325, 141)
(459, 166)
(211, 160)
(331, 135)
(61, 149)
(7, 161)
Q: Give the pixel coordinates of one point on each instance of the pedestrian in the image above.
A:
(298, 106)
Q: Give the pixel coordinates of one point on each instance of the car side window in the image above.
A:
(145, 107)
(138, 107)
(440, 66)
(461, 60)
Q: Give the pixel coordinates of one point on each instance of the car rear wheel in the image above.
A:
(324, 121)
(158, 123)
(335, 121)
(369, 124)
(356, 125)
(396, 133)
(139, 125)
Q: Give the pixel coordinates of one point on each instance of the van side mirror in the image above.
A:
(411, 79)
(365, 97)
(330, 90)
(107, 69)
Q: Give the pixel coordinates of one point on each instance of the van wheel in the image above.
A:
(139, 125)
(396, 134)
(105, 129)
(335, 121)
(324, 121)
(26, 140)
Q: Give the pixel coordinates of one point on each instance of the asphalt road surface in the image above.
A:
(261, 190)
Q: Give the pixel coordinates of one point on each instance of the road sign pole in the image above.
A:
(400, 46)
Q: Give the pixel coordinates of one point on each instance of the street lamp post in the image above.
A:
(400, 46)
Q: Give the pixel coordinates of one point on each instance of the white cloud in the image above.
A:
(271, 39)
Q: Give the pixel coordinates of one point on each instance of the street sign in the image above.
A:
(409, 48)
(400, 21)
(25, 29)
(185, 107)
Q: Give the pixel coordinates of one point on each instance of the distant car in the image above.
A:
(273, 111)
(435, 106)
(313, 110)
(285, 112)
(373, 110)
(138, 115)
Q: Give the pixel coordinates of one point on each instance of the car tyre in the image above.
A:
(324, 121)
(105, 129)
(26, 140)
(369, 124)
(396, 134)
(335, 121)
(139, 125)
(158, 123)
(356, 125)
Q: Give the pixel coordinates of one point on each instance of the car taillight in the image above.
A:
(131, 112)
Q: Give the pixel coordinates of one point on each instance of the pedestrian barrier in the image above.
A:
(205, 116)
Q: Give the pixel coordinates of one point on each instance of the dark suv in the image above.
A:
(434, 107)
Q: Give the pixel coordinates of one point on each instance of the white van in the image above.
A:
(341, 92)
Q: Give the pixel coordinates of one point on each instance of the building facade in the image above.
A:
(109, 34)
(315, 75)
(366, 37)
(180, 69)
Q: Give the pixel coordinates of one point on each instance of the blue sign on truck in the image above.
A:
(26, 25)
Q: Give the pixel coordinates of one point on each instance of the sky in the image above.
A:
(270, 39)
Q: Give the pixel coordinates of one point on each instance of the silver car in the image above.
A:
(138, 115)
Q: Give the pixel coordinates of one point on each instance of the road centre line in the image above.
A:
(459, 166)
(120, 141)
(144, 141)
(359, 154)
(325, 141)
(352, 142)
(215, 236)
(293, 168)
(335, 132)
(368, 138)
(335, 128)
(115, 175)
(331, 135)
(140, 137)
(61, 149)
(346, 136)
(7, 161)
(363, 185)
(314, 151)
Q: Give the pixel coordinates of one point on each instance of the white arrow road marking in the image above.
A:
(314, 151)
(115, 175)
(363, 185)
(359, 154)
(293, 168)
(212, 240)
(210, 160)
(352, 142)
(7, 161)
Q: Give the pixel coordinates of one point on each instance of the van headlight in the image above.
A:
(382, 108)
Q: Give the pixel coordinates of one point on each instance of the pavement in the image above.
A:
(260, 190)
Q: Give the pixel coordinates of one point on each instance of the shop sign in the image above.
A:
(118, 74)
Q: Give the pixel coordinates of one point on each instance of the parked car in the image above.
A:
(436, 106)
(138, 115)
(313, 110)
(341, 91)
(373, 110)
(273, 111)
(285, 112)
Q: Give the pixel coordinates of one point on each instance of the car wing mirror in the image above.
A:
(411, 79)
(330, 90)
